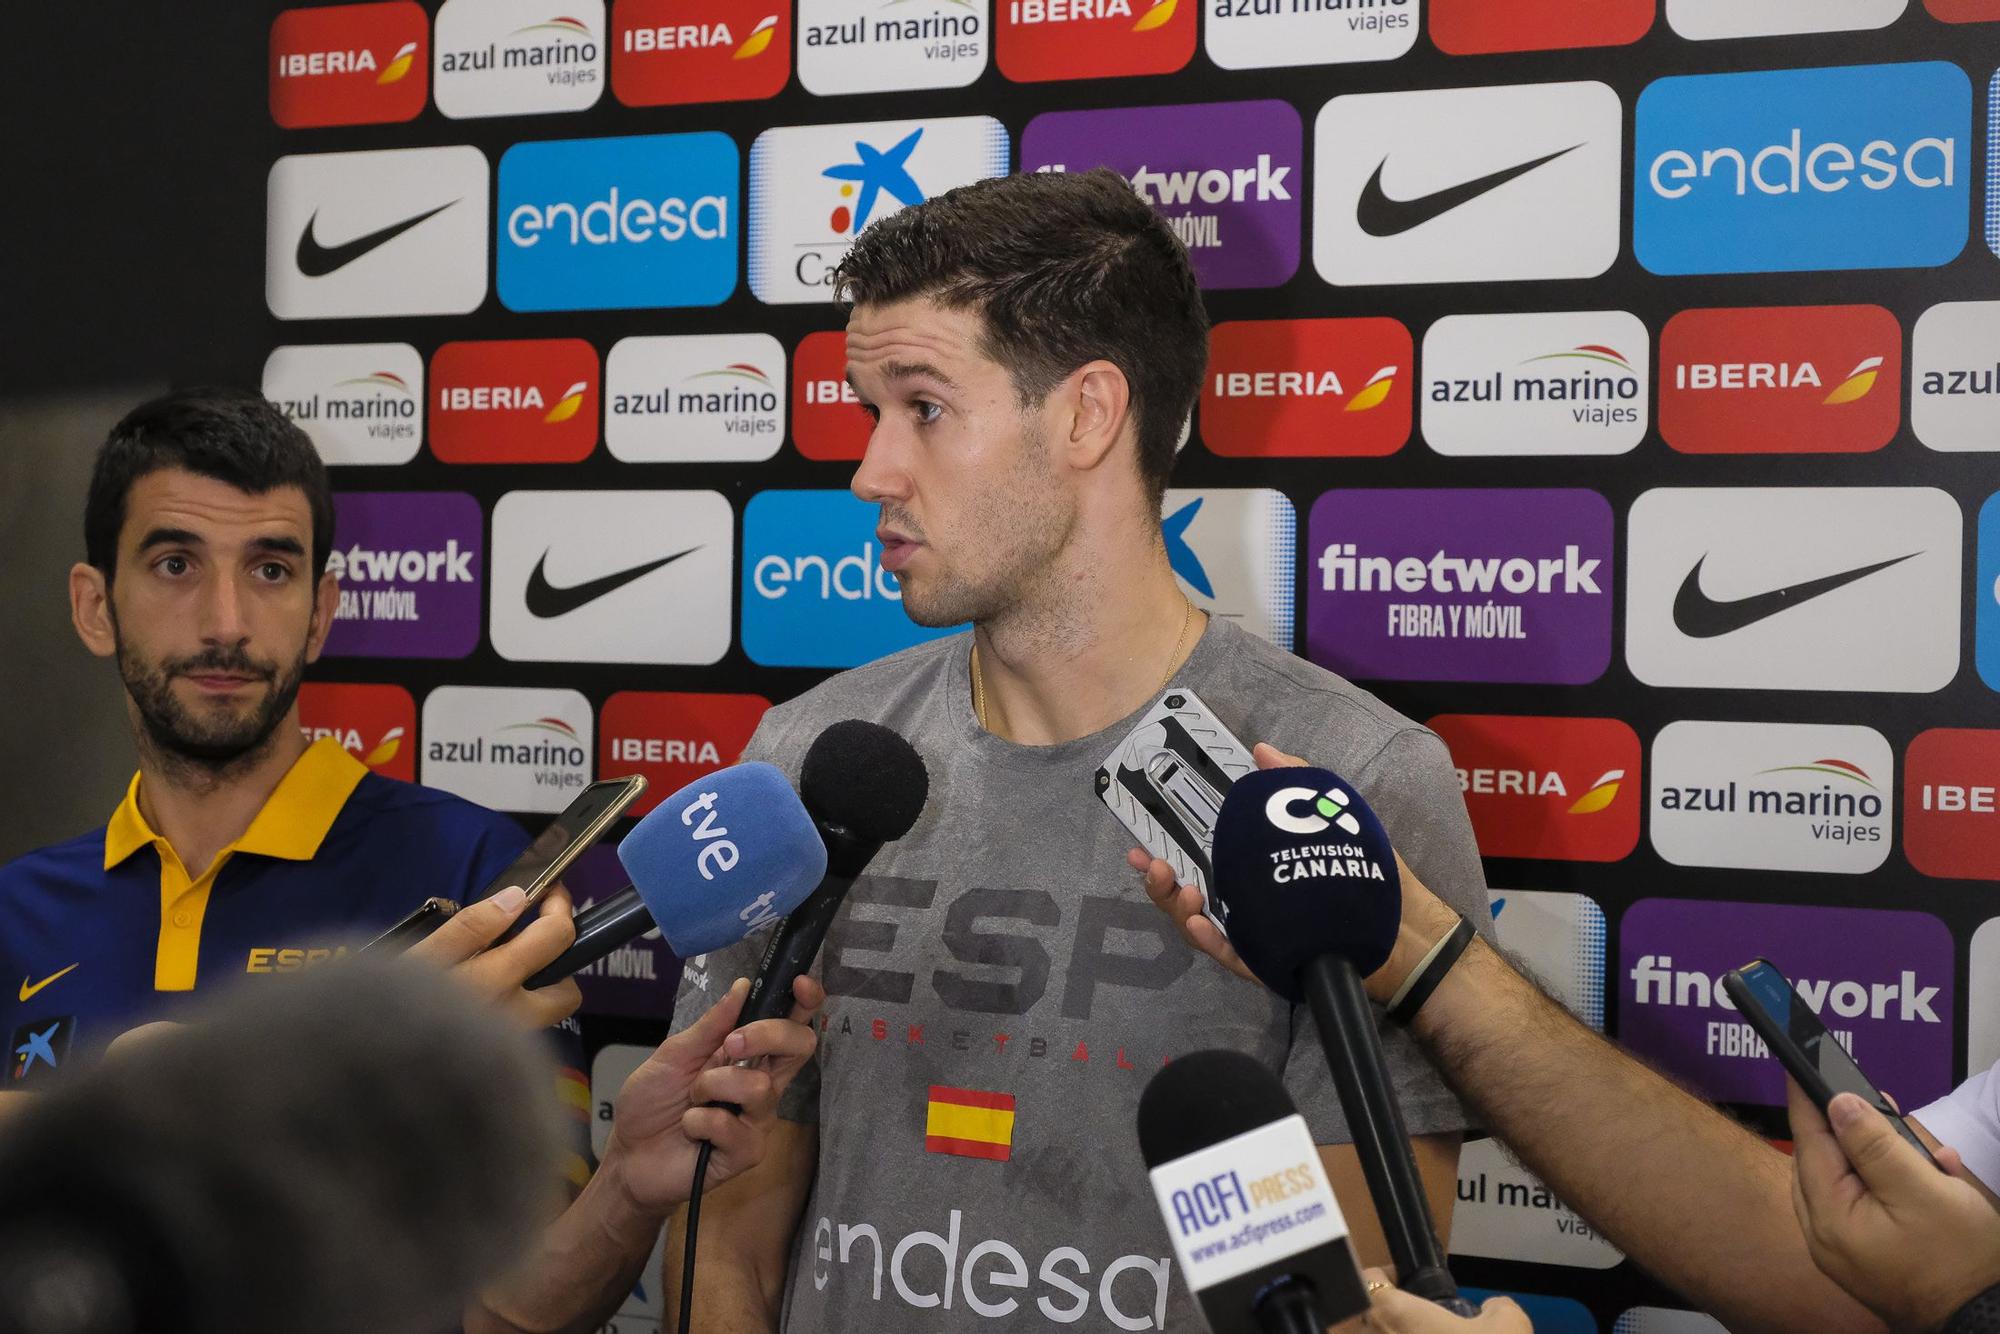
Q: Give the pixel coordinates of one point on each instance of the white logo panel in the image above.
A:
(517, 57)
(1233, 552)
(694, 398)
(609, 1069)
(1504, 1212)
(864, 46)
(1561, 383)
(1560, 937)
(1955, 376)
(358, 402)
(506, 747)
(1261, 34)
(1982, 1028)
(1705, 20)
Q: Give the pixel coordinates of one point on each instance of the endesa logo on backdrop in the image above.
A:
(1566, 383)
(527, 400)
(863, 46)
(606, 224)
(1039, 40)
(1226, 176)
(1307, 388)
(358, 402)
(348, 65)
(1955, 376)
(827, 420)
(1233, 552)
(1260, 34)
(673, 738)
(1480, 27)
(1702, 20)
(1460, 585)
(1566, 789)
(695, 398)
(1784, 380)
(1882, 983)
(673, 52)
(375, 724)
(508, 748)
(814, 590)
(1951, 803)
(519, 57)
(1865, 167)
(409, 565)
(1986, 594)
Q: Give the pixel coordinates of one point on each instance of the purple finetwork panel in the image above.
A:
(412, 568)
(638, 979)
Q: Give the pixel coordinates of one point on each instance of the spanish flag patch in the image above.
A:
(970, 1123)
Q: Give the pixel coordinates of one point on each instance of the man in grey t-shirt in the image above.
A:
(1000, 989)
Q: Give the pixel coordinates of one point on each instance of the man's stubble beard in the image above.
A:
(180, 739)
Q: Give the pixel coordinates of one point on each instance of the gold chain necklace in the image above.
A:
(1173, 661)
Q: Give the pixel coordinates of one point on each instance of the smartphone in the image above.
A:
(426, 918)
(581, 824)
(1803, 1046)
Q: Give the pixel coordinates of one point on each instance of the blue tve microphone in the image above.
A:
(726, 854)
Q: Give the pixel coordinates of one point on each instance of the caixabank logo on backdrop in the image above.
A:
(1307, 388)
(1955, 376)
(1951, 803)
(1460, 585)
(1781, 380)
(519, 57)
(516, 400)
(348, 64)
(673, 737)
(873, 46)
(410, 567)
(1704, 20)
(376, 724)
(506, 747)
(1562, 383)
(814, 187)
(606, 224)
(1233, 552)
(1041, 40)
(827, 420)
(1260, 34)
(695, 398)
(1480, 27)
(1861, 167)
(1226, 176)
(1773, 796)
(1566, 789)
(358, 402)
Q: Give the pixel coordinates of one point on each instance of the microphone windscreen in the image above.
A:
(1204, 1098)
(723, 856)
(865, 778)
(1303, 869)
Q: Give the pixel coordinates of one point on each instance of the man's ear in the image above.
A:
(90, 609)
(326, 601)
(1100, 410)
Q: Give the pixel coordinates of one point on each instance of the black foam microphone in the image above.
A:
(1258, 1233)
(1312, 896)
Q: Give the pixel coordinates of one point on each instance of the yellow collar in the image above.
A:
(292, 824)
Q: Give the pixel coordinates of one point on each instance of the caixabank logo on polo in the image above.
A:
(674, 52)
(517, 400)
(695, 398)
(1260, 34)
(519, 57)
(1955, 376)
(1781, 380)
(1861, 167)
(1307, 388)
(827, 420)
(376, 724)
(1480, 27)
(1572, 382)
(348, 64)
(814, 590)
(607, 224)
(873, 46)
(1233, 551)
(410, 568)
(506, 747)
(673, 737)
(1040, 40)
(357, 402)
(1951, 803)
(1566, 789)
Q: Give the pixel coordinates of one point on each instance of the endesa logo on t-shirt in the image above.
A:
(1307, 388)
(673, 737)
(376, 724)
(827, 420)
(349, 64)
(1782, 380)
(411, 569)
(1040, 40)
(673, 52)
(526, 400)
(1951, 803)
(1480, 27)
(1562, 788)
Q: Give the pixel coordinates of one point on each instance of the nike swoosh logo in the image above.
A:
(1699, 616)
(546, 601)
(28, 991)
(317, 261)
(1380, 215)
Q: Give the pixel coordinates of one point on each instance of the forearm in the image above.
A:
(581, 1267)
(733, 1293)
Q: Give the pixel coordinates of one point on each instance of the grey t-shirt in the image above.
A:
(1000, 990)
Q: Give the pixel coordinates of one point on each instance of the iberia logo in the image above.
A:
(1782, 380)
(1858, 383)
(1298, 388)
(759, 40)
(827, 420)
(373, 723)
(673, 52)
(524, 400)
(673, 737)
(1040, 40)
(1556, 788)
(970, 1123)
(349, 65)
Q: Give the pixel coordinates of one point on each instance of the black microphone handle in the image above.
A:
(1287, 1308)
(791, 950)
(615, 921)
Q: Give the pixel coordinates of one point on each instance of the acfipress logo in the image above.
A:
(674, 52)
(508, 748)
(1704, 20)
(410, 568)
(1986, 594)
(1881, 981)
(1564, 789)
(1773, 796)
(348, 64)
(1479, 27)
(673, 737)
(1781, 380)
(1460, 585)
(376, 724)
(814, 590)
(1955, 376)
(1951, 803)
(814, 187)
(695, 398)
(1794, 588)
(519, 57)
(1042, 40)
(1234, 552)
(360, 403)
(1226, 176)
(874, 46)
(1467, 184)
(518, 400)
(1572, 382)
(609, 224)
(1859, 167)
(1307, 388)
(1261, 34)
(827, 420)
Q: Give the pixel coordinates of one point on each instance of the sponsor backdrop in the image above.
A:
(1614, 384)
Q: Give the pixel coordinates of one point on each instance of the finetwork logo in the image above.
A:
(673, 737)
(1226, 176)
(357, 402)
(1986, 593)
(609, 224)
(695, 398)
(1260, 34)
(1480, 27)
(1794, 588)
(519, 57)
(814, 590)
(1568, 383)
(1042, 40)
(1233, 552)
(408, 563)
(1951, 803)
(526, 400)
(1783, 380)
(1955, 376)
(348, 64)
(1563, 789)
(814, 187)
(873, 46)
(376, 724)
(673, 52)
(508, 748)
(1703, 20)
(1859, 167)
(1467, 184)
(1307, 388)
(827, 420)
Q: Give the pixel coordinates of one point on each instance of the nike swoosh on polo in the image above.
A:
(546, 601)
(28, 991)
(317, 261)
(1379, 215)
(1699, 616)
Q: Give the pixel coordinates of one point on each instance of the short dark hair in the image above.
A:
(235, 436)
(1064, 268)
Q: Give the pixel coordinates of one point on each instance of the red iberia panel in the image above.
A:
(1564, 789)
(376, 724)
(827, 420)
(349, 64)
(674, 52)
(1039, 40)
(1307, 388)
(519, 400)
(673, 737)
(1479, 27)
(1781, 380)
(1951, 803)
